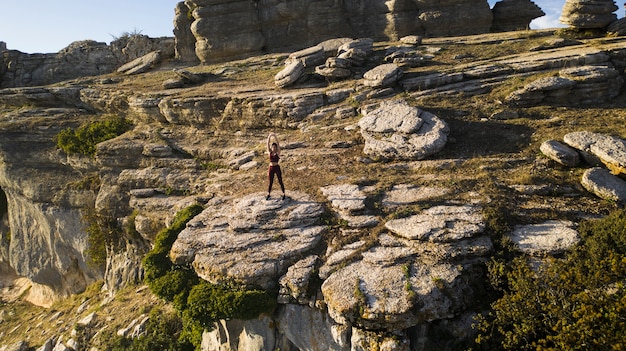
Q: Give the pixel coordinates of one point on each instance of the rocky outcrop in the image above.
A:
(79, 59)
(231, 29)
(251, 240)
(545, 239)
(608, 150)
(185, 42)
(595, 149)
(588, 14)
(396, 130)
(510, 15)
(585, 85)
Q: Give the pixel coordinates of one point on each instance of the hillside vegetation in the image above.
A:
(576, 301)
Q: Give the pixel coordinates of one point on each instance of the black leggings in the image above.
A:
(275, 170)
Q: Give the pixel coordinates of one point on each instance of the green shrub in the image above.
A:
(83, 140)
(102, 232)
(163, 332)
(200, 303)
(574, 303)
(208, 303)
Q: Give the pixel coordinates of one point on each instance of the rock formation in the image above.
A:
(510, 15)
(583, 85)
(588, 14)
(79, 59)
(398, 131)
(383, 239)
(597, 150)
(231, 29)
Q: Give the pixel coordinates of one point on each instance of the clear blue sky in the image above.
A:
(49, 26)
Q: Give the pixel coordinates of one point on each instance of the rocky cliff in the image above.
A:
(272, 25)
(79, 59)
(392, 189)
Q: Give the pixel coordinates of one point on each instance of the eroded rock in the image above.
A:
(610, 150)
(560, 153)
(548, 238)
(588, 14)
(251, 240)
(510, 15)
(397, 130)
(604, 184)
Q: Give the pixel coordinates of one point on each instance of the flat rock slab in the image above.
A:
(345, 198)
(395, 130)
(610, 150)
(407, 194)
(604, 184)
(560, 153)
(440, 224)
(548, 238)
(141, 64)
(251, 240)
(382, 76)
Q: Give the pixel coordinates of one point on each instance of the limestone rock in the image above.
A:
(290, 74)
(364, 339)
(407, 194)
(185, 43)
(433, 224)
(511, 15)
(255, 334)
(406, 57)
(582, 85)
(295, 284)
(322, 332)
(398, 131)
(18, 346)
(453, 18)
(309, 57)
(226, 29)
(604, 184)
(349, 201)
(382, 76)
(251, 240)
(548, 238)
(412, 40)
(588, 14)
(560, 153)
(374, 296)
(611, 151)
(141, 64)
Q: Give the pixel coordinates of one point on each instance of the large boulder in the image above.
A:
(227, 29)
(396, 130)
(584, 85)
(251, 240)
(605, 185)
(510, 15)
(588, 14)
(609, 150)
(185, 42)
(405, 278)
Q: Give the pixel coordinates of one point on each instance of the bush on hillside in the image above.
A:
(162, 333)
(574, 303)
(83, 140)
(200, 303)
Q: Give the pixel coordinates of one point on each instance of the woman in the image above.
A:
(273, 148)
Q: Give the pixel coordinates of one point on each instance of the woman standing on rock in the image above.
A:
(273, 148)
